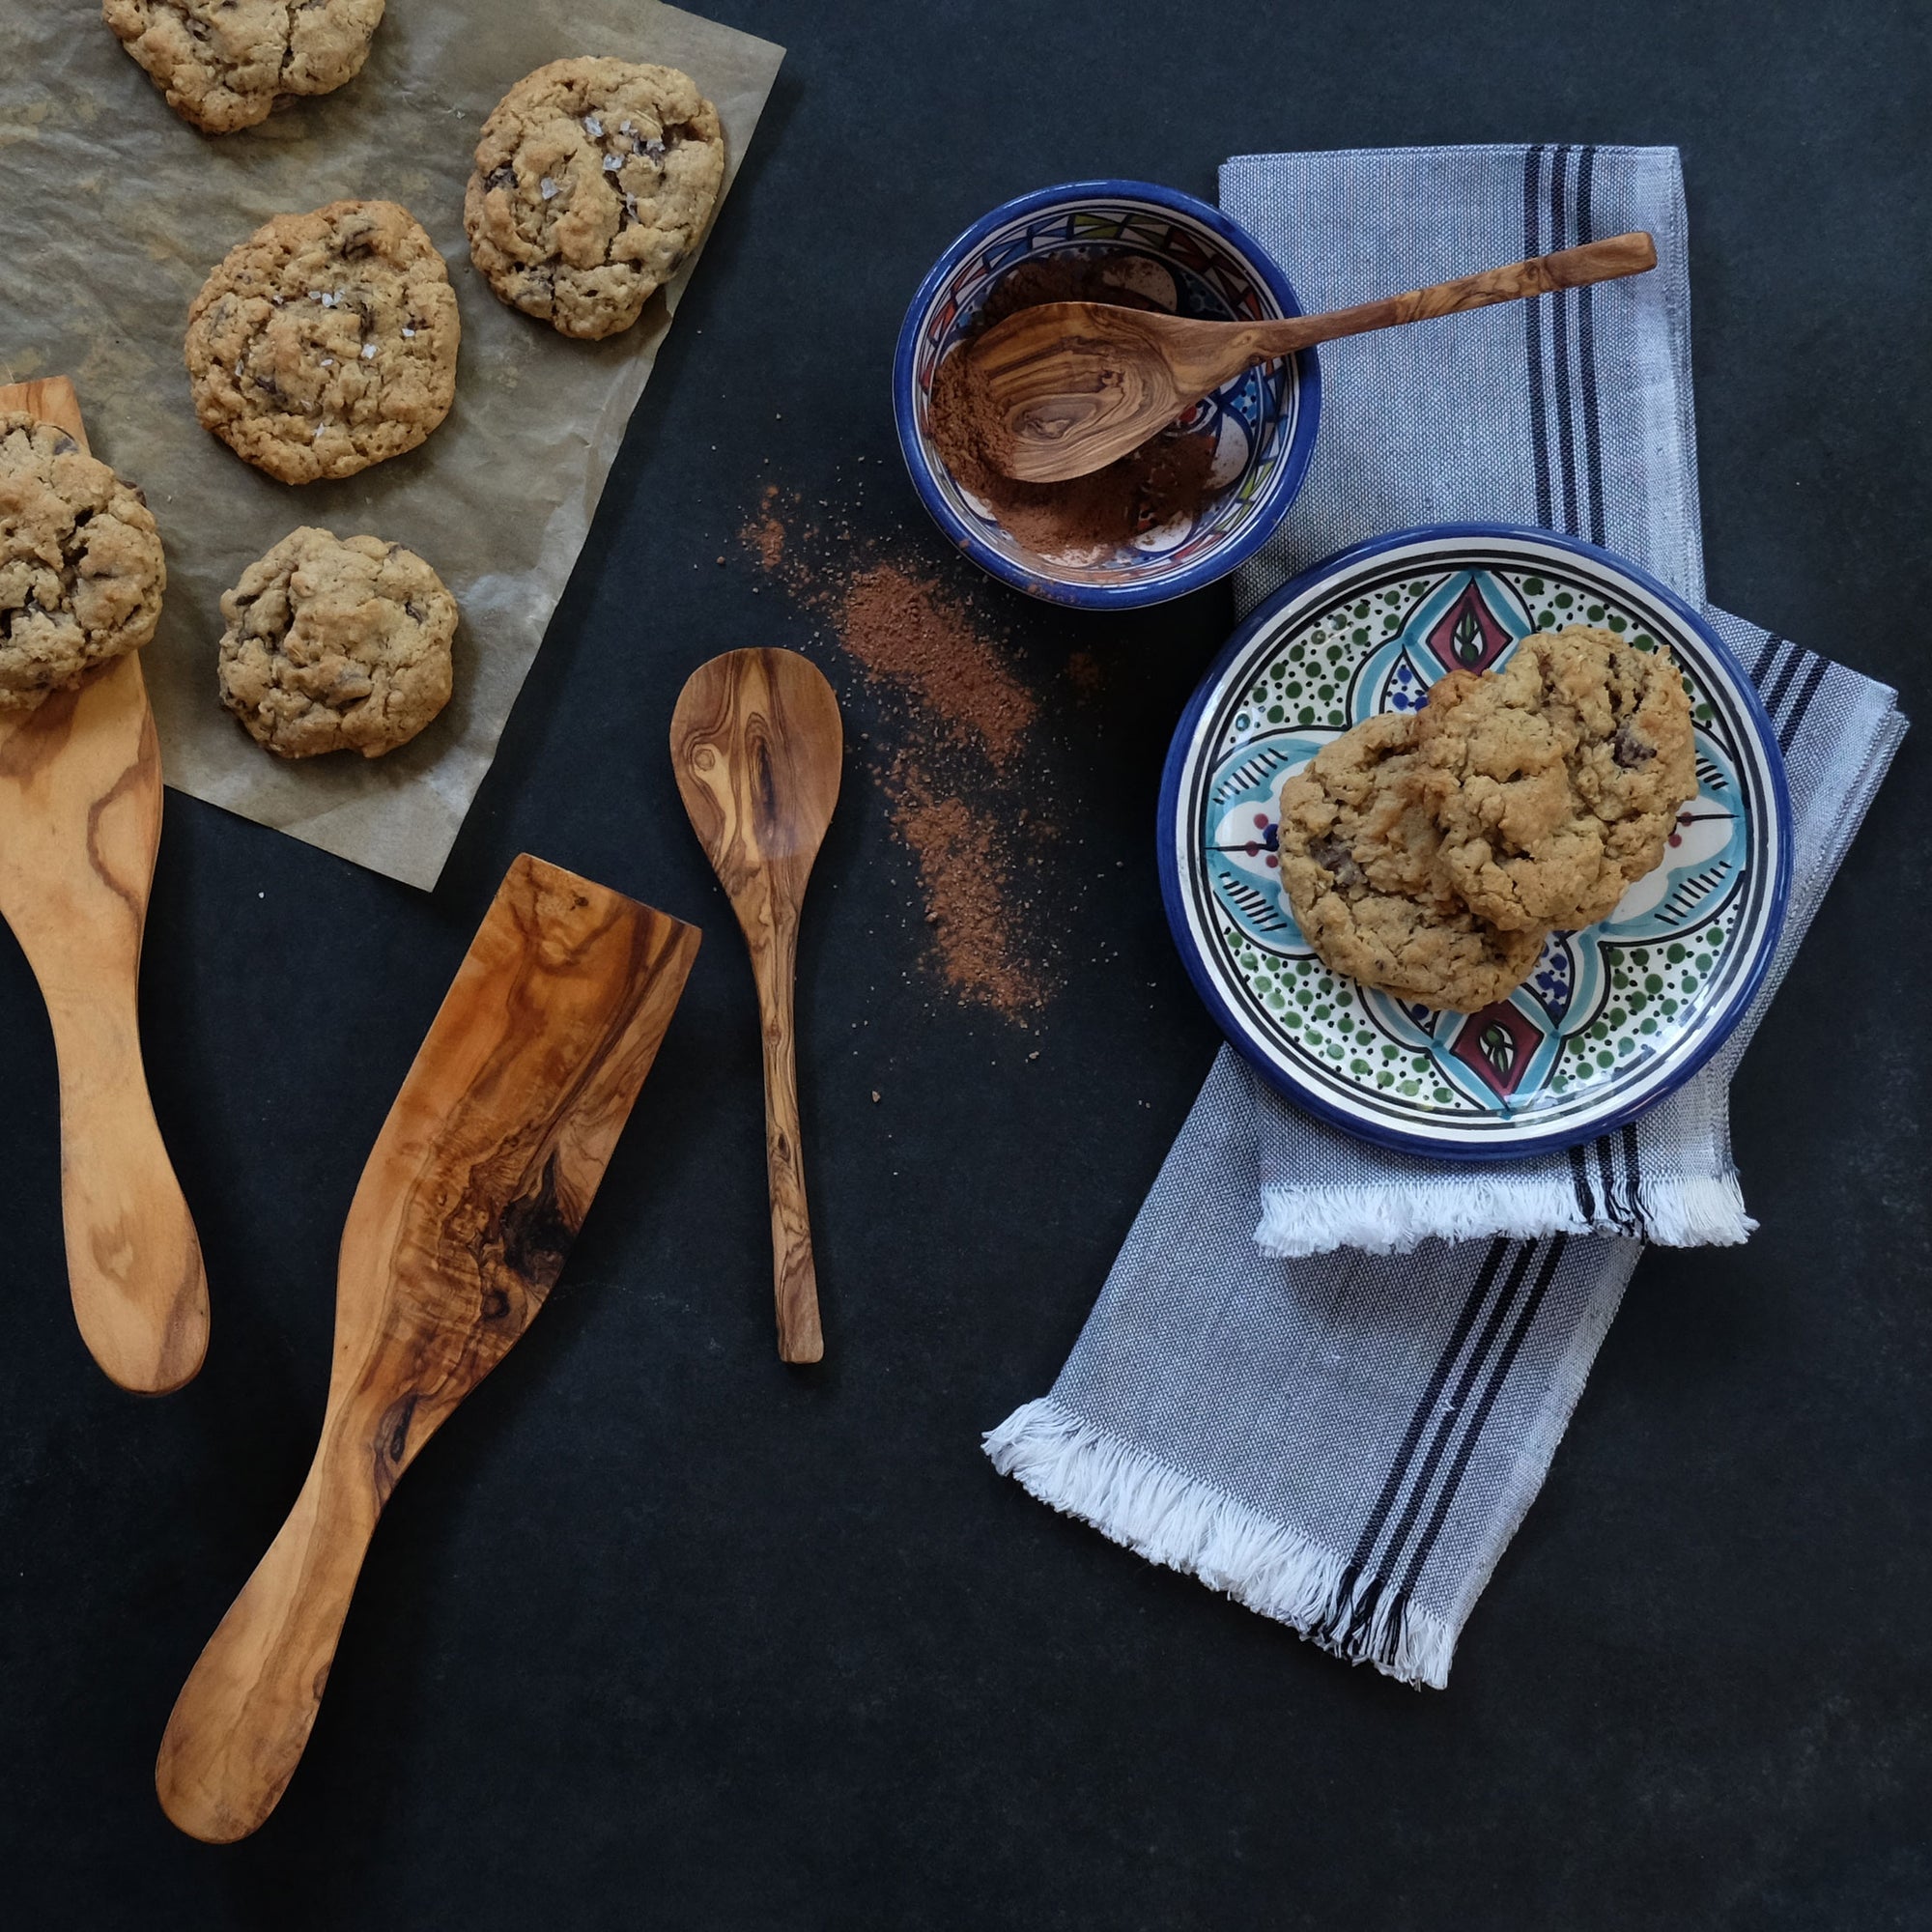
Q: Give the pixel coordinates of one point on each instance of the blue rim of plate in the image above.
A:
(1738, 747)
(1288, 480)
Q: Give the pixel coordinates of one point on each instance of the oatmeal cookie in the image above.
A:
(334, 643)
(593, 179)
(1361, 863)
(81, 570)
(325, 342)
(224, 63)
(1557, 779)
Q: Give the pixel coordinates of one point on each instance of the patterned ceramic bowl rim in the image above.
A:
(1157, 586)
(1191, 762)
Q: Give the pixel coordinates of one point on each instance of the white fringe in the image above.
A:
(1395, 1219)
(1191, 1526)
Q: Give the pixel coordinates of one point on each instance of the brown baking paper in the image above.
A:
(113, 210)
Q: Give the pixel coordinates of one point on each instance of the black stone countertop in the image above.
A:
(661, 1633)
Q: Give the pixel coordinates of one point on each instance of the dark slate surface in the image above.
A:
(661, 1633)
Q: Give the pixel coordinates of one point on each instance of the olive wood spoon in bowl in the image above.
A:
(1065, 388)
(472, 1194)
(756, 745)
(80, 821)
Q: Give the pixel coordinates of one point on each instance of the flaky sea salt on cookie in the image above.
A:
(593, 179)
(1361, 865)
(81, 569)
(336, 643)
(225, 64)
(325, 342)
(1557, 780)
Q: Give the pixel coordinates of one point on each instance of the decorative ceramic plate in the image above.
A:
(1613, 1017)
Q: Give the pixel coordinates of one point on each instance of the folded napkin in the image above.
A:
(1327, 1378)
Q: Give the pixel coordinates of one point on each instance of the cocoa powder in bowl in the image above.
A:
(1164, 481)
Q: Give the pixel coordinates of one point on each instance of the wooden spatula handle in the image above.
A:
(1541, 274)
(73, 885)
(794, 1273)
(243, 1719)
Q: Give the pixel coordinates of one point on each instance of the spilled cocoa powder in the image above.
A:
(1164, 481)
(959, 713)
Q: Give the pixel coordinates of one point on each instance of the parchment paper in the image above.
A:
(113, 210)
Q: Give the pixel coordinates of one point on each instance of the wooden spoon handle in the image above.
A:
(794, 1273)
(241, 1722)
(1540, 275)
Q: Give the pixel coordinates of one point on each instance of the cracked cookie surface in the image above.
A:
(1361, 863)
(325, 342)
(336, 643)
(1557, 780)
(594, 178)
(81, 569)
(224, 63)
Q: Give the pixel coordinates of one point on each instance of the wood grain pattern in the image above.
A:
(80, 821)
(1066, 388)
(757, 748)
(476, 1186)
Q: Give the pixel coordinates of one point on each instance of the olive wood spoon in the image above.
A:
(758, 746)
(1064, 388)
(476, 1186)
(80, 821)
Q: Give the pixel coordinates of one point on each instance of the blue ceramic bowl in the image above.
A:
(1612, 1019)
(1186, 256)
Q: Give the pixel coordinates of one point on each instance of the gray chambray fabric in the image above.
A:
(1346, 1437)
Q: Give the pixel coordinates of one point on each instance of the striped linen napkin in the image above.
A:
(1321, 1377)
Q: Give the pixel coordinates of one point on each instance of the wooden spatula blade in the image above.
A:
(479, 1180)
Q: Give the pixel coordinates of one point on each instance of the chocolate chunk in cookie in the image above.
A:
(81, 570)
(336, 643)
(325, 342)
(1557, 779)
(1361, 863)
(594, 178)
(224, 63)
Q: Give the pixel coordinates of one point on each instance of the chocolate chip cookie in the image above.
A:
(336, 643)
(1361, 862)
(594, 178)
(81, 570)
(1557, 779)
(325, 342)
(224, 63)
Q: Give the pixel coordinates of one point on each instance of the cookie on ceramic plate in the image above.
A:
(325, 342)
(226, 64)
(81, 569)
(1361, 863)
(336, 643)
(593, 179)
(1557, 778)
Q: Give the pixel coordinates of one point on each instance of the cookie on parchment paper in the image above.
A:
(593, 179)
(325, 342)
(1361, 862)
(336, 643)
(225, 64)
(81, 569)
(1557, 780)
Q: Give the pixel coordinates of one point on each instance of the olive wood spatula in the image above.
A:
(476, 1186)
(80, 820)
